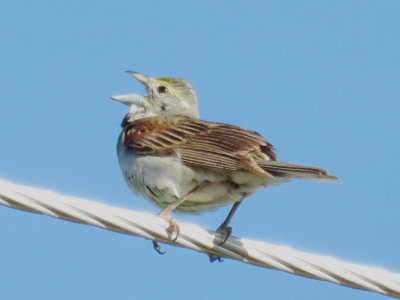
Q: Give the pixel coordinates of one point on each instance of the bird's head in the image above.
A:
(165, 96)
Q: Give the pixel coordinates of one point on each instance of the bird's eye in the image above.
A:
(162, 89)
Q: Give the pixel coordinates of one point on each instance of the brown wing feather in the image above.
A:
(199, 143)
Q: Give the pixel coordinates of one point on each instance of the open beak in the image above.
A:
(144, 79)
(134, 99)
(130, 99)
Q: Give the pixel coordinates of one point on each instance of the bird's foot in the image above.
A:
(225, 231)
(173, 228)
(214, 258)
(157, 247)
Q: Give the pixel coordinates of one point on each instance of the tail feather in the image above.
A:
(287, 170)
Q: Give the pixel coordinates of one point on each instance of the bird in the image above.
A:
(182, 163)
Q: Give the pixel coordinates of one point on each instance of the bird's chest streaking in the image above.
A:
(163, 178)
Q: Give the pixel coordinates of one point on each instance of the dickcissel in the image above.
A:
(170, 156)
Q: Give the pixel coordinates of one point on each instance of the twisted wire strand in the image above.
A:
(153, 227)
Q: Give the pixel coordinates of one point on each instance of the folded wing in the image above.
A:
(206, 144)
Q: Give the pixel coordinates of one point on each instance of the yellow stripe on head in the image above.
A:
(178, 87)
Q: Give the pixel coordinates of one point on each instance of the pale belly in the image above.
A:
(164, 180)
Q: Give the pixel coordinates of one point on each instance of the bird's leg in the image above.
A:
(166, 213)
(225, 230)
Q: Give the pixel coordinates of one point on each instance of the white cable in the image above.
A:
(153, 227)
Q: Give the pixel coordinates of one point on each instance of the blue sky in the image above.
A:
(319, 79)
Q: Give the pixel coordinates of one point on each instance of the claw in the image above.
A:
(172, 229)
(157, 247)
(214, 258)
(225, 231)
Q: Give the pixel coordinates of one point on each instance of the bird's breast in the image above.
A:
(165, 179)
(153, 176)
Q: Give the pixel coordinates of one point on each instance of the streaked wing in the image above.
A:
(199, 143)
